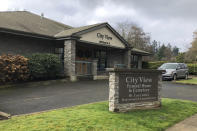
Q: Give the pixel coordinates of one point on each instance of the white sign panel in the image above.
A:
(103, 36)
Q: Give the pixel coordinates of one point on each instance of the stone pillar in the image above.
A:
(69, 59)
(159, 87)
(139, 62)
(113, 91)
(127, 58)
(94, 69)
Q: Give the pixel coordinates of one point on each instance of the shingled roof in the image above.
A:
(28, 22)
(76, 30)
(31, 23)
(136, 51)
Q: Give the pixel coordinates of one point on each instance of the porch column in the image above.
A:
(69, 59)
(127, 58)
(94, 69)
(139, 62)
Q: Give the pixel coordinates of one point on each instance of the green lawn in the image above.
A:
(97, 117)
(189, 81)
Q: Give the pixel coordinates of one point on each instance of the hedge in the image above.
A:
(155, 65)
(192, 68)
(44, 66)
(13, 68)
(152, 65)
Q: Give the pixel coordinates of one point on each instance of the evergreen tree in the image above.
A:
(160, 53)
(175, 51)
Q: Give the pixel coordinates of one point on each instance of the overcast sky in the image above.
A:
(168, 21)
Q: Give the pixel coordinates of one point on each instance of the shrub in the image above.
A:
(180, 58)
(192, 69)
(44, 66)
(13, 68)
(152, 65)
(145, 65)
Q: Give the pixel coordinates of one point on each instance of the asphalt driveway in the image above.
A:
(34, 98)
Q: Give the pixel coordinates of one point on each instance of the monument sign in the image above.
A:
(134, 89)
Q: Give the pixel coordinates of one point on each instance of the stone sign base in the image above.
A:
(134, 106)
(131, 89)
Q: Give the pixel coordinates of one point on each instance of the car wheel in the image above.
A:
(174, 77)
(186, 76)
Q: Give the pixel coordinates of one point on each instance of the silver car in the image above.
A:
(174, 71)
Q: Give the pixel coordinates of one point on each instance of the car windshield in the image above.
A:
(168, 66)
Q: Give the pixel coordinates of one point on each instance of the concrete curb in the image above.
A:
(5, 115)
(183, 83)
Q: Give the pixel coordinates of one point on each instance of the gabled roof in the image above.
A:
(25, 21)
(30, 24)
(84, 29)
(136, 51)
(73, 31)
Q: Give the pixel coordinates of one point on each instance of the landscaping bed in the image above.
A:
(192, 81)
(36, 67)
(97, 117)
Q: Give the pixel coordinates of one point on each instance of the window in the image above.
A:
(182, 66)
(79, 53)
(169, 66)
(59, 50)
(134, 61)
(84, 53)
(60, 53)
(88, 54)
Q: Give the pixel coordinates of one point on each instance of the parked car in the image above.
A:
(174, 71)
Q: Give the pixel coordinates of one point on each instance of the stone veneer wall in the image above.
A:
(114, 104)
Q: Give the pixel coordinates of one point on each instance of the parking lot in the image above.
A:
(29, 98)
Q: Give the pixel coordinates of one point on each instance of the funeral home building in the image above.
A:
(86, 50)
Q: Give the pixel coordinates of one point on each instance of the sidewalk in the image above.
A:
(189, 124)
